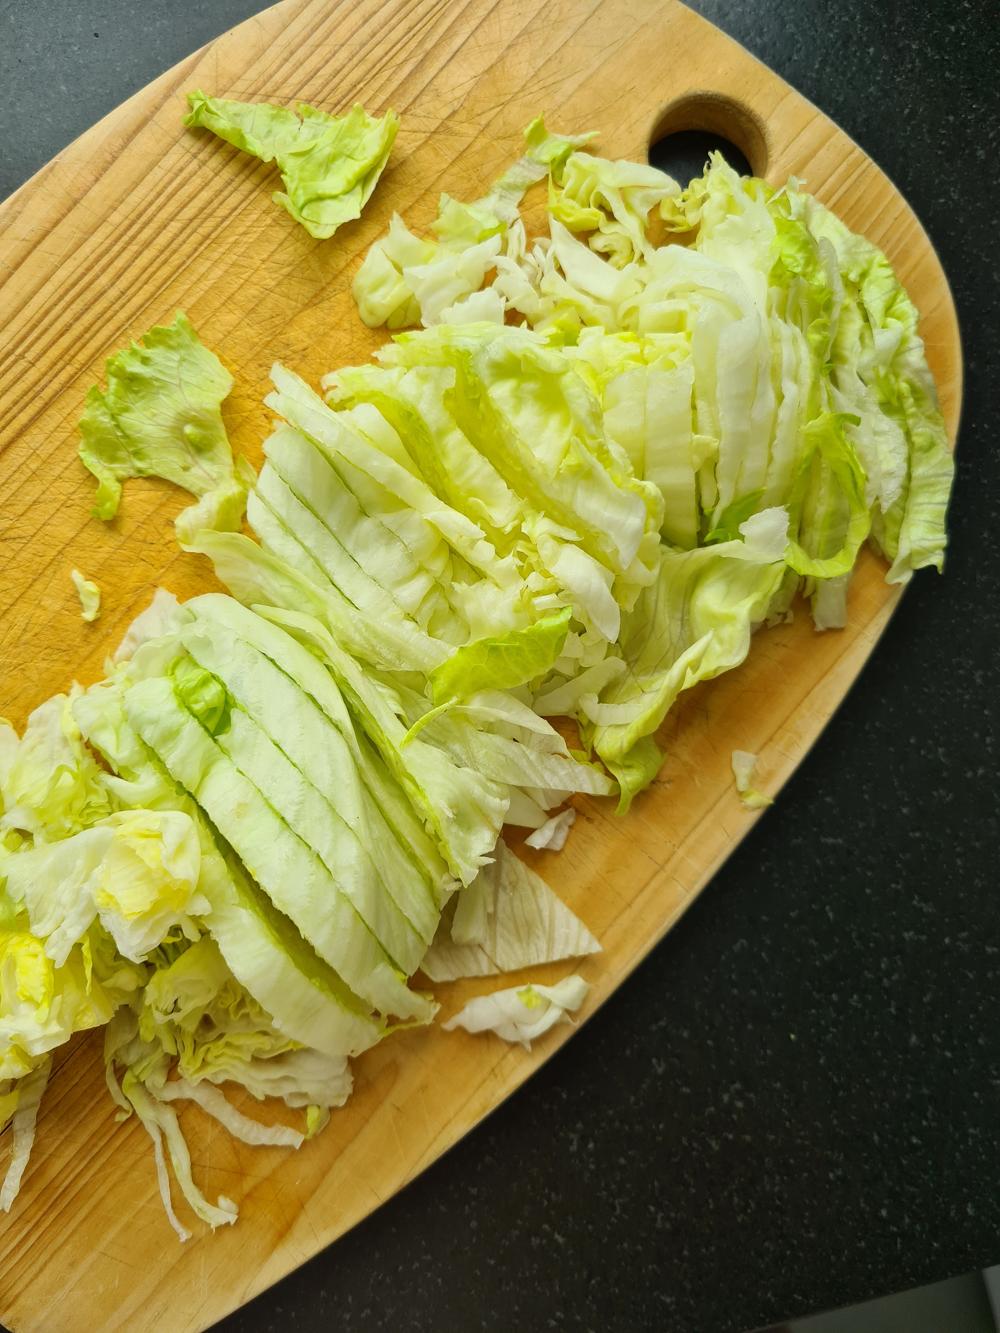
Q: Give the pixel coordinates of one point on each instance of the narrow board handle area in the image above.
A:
(719, 114)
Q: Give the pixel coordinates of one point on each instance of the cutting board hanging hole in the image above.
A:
(700, 123)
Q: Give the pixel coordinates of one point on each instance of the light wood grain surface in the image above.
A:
(139, 218)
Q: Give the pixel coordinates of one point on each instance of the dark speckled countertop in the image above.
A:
(795, 1102)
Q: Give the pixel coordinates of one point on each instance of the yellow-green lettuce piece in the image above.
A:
(161, 416)
(89, 594)
(502, 661)
(329, 164)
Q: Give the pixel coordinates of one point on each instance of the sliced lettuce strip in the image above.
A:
(264, 951)
(285, 866)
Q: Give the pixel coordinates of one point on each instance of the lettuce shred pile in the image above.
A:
(603, 459)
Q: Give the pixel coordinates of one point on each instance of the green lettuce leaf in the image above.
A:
(89, 594)
(503, 661)
(692, 624)
(160, 416)
(879, 375)
(329, 164)
(834, 516)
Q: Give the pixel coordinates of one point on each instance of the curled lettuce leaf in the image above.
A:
(50, 784)
(504, 661)
(329, 164)
(612, 201)
(522, 1014)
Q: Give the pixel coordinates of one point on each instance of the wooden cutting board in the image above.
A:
(139, 218)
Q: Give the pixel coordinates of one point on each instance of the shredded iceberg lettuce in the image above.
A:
(607, 456)
(744, 766)
(404, 278)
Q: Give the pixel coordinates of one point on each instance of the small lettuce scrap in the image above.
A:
(744, 765)
(551, 836)
(329, 164)
(89, 594)
(49, 782)
(136, 872)
(522, 1014)
(160, 416)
